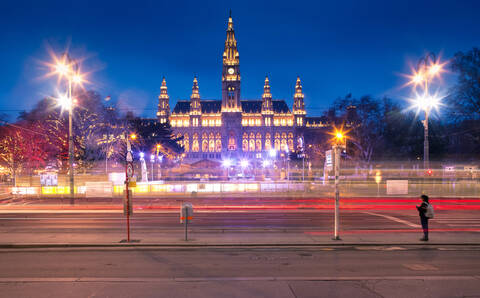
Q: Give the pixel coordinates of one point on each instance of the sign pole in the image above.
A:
(128, 175)
(186, 224)
(336, 153)
(127, 203)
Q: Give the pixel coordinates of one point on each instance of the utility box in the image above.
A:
(186, 212)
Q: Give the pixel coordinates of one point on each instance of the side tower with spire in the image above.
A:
(267, 104)
(163, 111)
(195, 105)
(299, 105)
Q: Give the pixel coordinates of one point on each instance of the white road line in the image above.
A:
(395, 219)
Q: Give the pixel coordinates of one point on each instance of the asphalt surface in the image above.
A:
(295, 220)
(236, 272)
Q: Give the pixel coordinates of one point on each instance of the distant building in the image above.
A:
(235, 128)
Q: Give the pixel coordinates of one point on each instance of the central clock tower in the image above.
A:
(231, 73)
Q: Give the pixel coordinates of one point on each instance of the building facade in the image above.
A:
(232, 128)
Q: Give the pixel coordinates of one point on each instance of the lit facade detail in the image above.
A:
(231, 128)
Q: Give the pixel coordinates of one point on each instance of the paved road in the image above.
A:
(274, 219)
(234, 227)
(235, 272)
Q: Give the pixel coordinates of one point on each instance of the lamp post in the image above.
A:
(68, 68)
(243, 164)
(160, 161)
(428, 67)
(338, 145)
(227, 163)
(273, 155)
(152, 161)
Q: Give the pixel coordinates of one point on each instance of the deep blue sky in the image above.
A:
(337, 47)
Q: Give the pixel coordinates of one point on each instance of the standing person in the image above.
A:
(422, 209)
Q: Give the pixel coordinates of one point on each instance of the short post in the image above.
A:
(186, 224)
(186, 214)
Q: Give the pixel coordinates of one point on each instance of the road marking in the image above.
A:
(395, 219)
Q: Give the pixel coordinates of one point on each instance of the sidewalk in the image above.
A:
(244, 237)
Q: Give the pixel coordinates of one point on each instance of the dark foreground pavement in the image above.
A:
(381, 271)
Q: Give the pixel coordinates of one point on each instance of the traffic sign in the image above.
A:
(129, 170)
(129, 156)
(328, 158)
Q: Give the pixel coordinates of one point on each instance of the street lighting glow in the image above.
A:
(273, 153)
(266, 163)
(244, 163)
(61, 68)
(152, 158)
(227, 163)
(64, 101)
(133, 136)
(427, 102)
(142, 155)
(77, 78)
(435, 68)
(417, 78)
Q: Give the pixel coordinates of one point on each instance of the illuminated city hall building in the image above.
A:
(232, 128)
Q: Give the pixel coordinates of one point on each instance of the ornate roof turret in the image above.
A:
(298, 103)
(267, 107)
(195, 107)
(163, 111)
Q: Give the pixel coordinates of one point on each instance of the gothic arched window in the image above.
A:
(245, 145)
(252, 145)
(195, 146)
(232, 144)
(204, 145)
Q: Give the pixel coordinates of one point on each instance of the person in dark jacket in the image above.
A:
(422, 209)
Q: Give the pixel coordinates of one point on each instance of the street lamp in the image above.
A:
(68, 68)
(160, 161)
(243, 164)
(338, 144)
(227, 163)
(152, 161)
(428, 67)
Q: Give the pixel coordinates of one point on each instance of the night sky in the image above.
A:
(337, 47)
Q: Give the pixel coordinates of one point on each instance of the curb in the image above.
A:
(222, 245)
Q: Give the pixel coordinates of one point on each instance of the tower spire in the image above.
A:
(195, 93)
(267, 107)
(195, 108)
(299, 104)
(230, 54)
(163, 111)
(231, 72)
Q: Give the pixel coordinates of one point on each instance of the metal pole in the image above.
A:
(426, 159)
(186, 224)
(127, 193)
(70, 143)
(106, 162)
(337, 192)
(303, 168)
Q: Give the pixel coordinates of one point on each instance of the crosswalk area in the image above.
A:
(458, 221)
